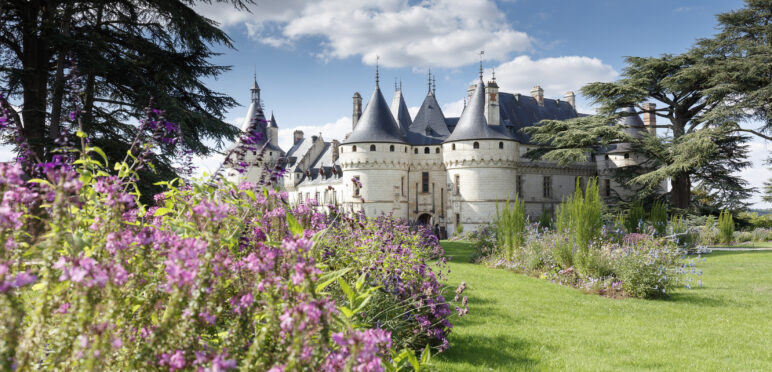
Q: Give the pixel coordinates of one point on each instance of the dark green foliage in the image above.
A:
(126, 52)
(635, 217)
(545, 221)
(658, 217)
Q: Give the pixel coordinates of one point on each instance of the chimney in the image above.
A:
(492, 112)
(649, 118)
(297, 135)
(538, 94)
(335, 151)
(357, 110)
(570, 97)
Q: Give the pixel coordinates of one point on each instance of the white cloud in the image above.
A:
(453, 109)
(413, 111)
(330, 131)
(555, 75)
(759, 172)
(441, 33)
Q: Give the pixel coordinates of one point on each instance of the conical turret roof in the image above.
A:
(272, 124)
(376, 123)
(472, 124)
(429, 126)
(400, 112)
(634, 128)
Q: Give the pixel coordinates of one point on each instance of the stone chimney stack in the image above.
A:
(357, 110)
(538, 94)
(492, 112)
(335, 150)
(570, 97)
(649, 118)
(297, 136)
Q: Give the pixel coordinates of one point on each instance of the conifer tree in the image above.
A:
(126, 51)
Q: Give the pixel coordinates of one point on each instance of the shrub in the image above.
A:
(647, 267)
(725, 227)
(635, 218)
(510, 226)
(545, 220)
(214, 277)
(581, 215)
(483, 242)
(658, 217)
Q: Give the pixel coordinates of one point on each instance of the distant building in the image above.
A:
(432, 169)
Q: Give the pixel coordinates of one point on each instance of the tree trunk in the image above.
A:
(58, 95)
(681, 191)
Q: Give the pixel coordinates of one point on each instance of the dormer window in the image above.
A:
(476, 145)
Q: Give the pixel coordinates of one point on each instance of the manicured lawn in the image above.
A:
(748, 245)
(517, 322)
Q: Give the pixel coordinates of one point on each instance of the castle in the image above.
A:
(433, 169)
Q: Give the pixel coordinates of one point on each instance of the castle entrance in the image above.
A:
(425, 219)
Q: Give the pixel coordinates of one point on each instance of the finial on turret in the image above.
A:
(434, 85)
(395, 84)
(481, 59)
(493, 69)
(377, 77)
(429, 79)
(400, 84)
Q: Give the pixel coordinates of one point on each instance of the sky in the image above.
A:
(310, 56)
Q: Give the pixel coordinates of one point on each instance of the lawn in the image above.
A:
(517, 322)
(747, 245)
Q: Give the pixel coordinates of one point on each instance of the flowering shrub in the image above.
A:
(213, 277)
(388, 254)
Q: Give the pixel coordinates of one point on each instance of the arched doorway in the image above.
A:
(424, 219)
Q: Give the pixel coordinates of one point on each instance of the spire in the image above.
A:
(472, 124)
(429, 78)
(400, 84)
(273, 121)
(493, 69)
(395, 84)
(434, 85)
(481, 59)
(255, 90)
(377, 77)
(400, 112)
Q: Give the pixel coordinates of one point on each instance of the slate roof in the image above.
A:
(376, 123)
(472, 124)
(297, 152)
(400, 112)
(634, 128)
(429, 126)
(519, 111)
(272, 122)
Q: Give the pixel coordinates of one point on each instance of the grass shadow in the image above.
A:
(496, 352)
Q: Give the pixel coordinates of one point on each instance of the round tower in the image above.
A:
(374, 159)
(481, 165)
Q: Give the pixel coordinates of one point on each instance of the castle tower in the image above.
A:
(374, 155)
(480, 162)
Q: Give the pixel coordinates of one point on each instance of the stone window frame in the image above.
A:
(547, 187)
(425, 182)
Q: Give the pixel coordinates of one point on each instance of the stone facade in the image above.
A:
(442, 181)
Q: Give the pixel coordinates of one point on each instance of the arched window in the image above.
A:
(354, 148)
(405, 149)
(501, 145)
(606, 156)
(372, 147)
(627, 155)
(437, 150)
(426, 150)
(391, 148)
(415, 151)
(270, 153)
(453, 147)
(476, 145)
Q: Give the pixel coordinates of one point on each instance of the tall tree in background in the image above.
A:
(694, 149)
(742, 51)
(126, 51)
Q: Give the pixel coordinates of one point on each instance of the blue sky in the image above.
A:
(311, 56)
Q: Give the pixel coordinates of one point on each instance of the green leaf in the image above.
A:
(414, 361)
(98, 151)
(347, 290)
(40, 181)
(426, 355)
(346, 311)
(81, 134)
(161, 211)
(251, 194)
(330, 277)
(294, 226)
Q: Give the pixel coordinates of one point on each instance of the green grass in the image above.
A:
(746, 245)
(517, 322)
